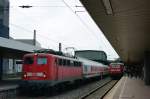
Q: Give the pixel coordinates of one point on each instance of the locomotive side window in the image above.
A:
(64, 62)
(80, 63)
(68, 62)
(56, 61)
(28, 60)
(60, 61)
(71, 63)
(41, 60)
(75, 63)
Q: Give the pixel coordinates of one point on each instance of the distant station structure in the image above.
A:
(95, 55)
(11, 50)
(29, 41)
(4, 18)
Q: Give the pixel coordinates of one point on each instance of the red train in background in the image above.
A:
(116, 70)
(47, 69)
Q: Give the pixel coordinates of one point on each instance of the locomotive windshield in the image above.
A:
(41, 60)
(28, 60)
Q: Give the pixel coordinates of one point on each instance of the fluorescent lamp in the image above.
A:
(108, 6)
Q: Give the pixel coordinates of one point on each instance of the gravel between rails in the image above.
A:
(74, 93)
(77, 93)
(100, 92)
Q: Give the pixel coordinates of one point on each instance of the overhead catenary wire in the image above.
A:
(94, 32)
(80, 21)
(79, 18)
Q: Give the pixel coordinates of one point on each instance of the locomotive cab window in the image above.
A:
(41, 60)
(28, 60)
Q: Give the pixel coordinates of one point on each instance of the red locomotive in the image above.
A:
(46, 69)
(116, 70)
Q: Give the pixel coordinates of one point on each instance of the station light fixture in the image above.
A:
(108, 7)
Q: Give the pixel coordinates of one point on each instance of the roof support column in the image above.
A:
(147, 68)
(1, 68)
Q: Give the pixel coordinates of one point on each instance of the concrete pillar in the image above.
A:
(147, 68)
(1, 68)
(4, 18)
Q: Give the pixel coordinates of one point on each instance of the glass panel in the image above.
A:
(60, 61)
(64, 62)
(28, 60)
(42, 60)
(68, 62)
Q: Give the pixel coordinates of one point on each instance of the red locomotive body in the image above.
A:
(116, 70)
(45, 69)
(50, 69)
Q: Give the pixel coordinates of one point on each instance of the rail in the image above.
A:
(8, 92)
(100, 91)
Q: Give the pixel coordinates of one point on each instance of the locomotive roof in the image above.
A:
(47, 54)
(83, 60)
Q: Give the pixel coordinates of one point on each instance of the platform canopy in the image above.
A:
(14, 49)
(125, 23)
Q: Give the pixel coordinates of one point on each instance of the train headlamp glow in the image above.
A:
(44, 75)
(35, 54)
(24, 75)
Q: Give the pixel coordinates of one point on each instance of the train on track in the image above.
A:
(46, 68)
(116, 70)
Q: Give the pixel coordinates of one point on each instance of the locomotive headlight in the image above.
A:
(24, 75)
(44, 75)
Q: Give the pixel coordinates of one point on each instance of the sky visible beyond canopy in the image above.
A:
(57, 21)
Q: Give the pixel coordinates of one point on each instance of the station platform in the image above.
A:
(8, 89)
(8, 85)
(129, 88)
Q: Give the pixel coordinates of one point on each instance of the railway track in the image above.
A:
(100, 91)
(94, 90)
(8, 92)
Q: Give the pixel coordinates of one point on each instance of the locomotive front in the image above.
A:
(36, 70)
